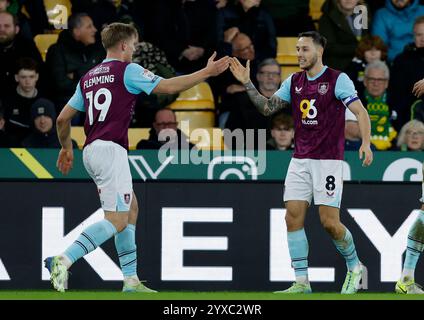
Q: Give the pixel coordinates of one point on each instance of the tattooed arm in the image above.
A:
(264, 105)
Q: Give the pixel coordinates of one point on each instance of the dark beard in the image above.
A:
(6, 41)
(311, 65)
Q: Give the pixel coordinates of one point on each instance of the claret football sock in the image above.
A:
(298, 248)
(92, 237)
(415, 246)
(347, 248)
(127, 250)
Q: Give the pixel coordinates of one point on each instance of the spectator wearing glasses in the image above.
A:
(411, 136)
(375, 100)
(225, 87)
(282, 132)
(165, 132)
(243, 113)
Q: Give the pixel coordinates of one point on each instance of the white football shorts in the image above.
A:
(318, 179)
(107, 164)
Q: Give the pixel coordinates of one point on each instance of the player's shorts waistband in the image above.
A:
(99, 142)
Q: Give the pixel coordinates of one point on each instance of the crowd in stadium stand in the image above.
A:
(384, 58)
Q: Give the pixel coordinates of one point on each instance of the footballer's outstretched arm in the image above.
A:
(184, 82)
(264, 105)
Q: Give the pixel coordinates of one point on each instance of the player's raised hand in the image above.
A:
(241, 73)
(365, 150)
(65, 160)
(217, 67)
(418, 89)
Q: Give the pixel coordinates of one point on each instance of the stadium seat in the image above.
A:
(315, 9)
(286, 50)
(134, 136)
(195, 105)
(54, 14)
(196, 119)
(288, 70)
(199, 97)
(44, 41)
(77, 134)
(206, 138)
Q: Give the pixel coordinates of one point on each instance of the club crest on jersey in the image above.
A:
(127, 198)
(323, 88)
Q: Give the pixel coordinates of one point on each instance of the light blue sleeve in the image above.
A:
(284, 92)
(77, 100)
(345, 89)
(137, 79)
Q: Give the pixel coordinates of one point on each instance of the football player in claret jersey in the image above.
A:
(107, 93)
(414, 248)
(318, 96)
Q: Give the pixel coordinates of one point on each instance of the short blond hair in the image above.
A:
(116, 32)
(413, 124)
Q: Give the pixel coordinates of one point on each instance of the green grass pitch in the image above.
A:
(183, 295)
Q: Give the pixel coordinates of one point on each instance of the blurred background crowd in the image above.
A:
(40, 65)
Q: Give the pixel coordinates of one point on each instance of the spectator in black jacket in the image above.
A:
(200, 19)
(17, 104)
(44, 135)
(337, 24)
(12, 48)
(249, 17)
(6, 140)
(165, 26)
(407, 69)
(172, 137)
(104, 12)
(37, 20)
(75, 52)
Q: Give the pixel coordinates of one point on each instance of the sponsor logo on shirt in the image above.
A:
(98, 70)
(309, 112)
(149, 75)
